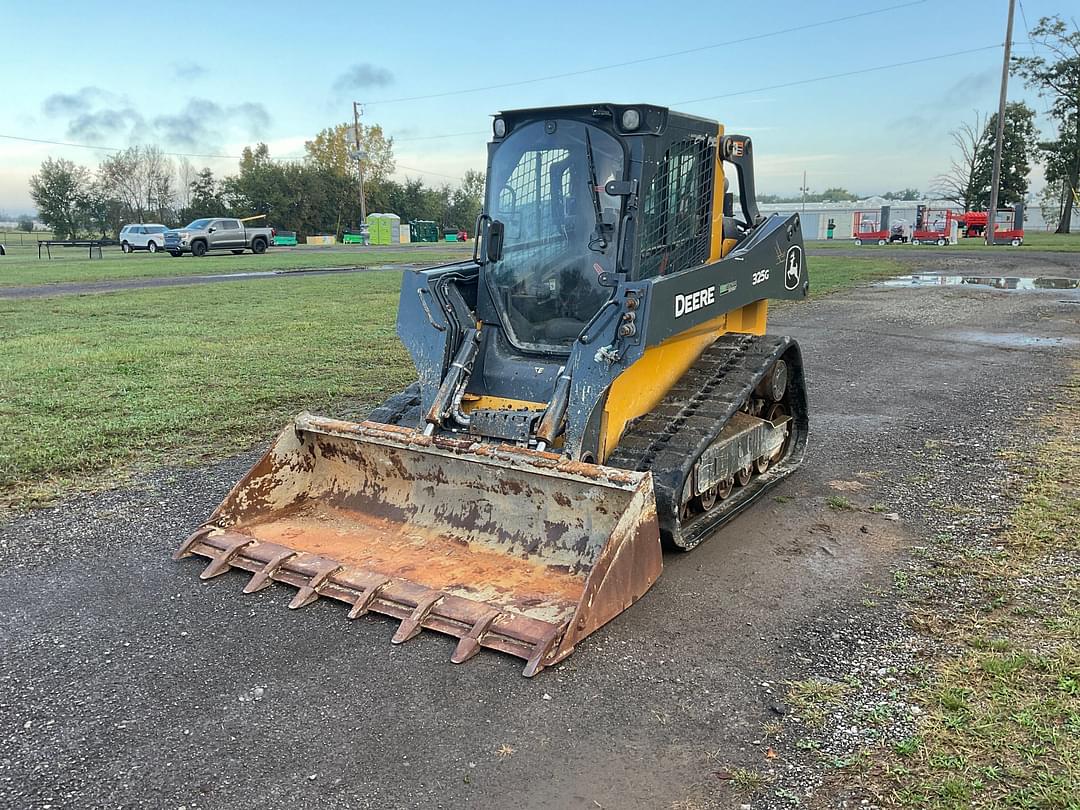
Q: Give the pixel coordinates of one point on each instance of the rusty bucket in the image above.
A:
(502, 547)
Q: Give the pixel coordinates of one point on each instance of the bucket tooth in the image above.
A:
(412, 625)
(469, 645)
(362, 605)
(264, 576)
(220, 564)
(310, 592)
(499, 547)
(541, 650)
(186, 547)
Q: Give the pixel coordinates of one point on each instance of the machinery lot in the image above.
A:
(130, 683)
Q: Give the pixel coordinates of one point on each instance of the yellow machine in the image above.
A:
(595, 381)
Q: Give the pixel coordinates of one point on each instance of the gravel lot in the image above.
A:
(127, 682)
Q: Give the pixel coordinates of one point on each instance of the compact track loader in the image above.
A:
(595, 381)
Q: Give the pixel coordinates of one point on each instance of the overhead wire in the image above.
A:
(841, 75)
(747, 91)
(655, 57)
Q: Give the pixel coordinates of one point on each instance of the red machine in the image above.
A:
(935, 226)
(873, 226)
(1008, 225)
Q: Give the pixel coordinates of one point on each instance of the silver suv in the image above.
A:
(144, 236)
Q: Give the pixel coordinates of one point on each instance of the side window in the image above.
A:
(674, 223)
(232, 225)
(143, 230)
(218, 225)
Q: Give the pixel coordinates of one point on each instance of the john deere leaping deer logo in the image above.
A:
(793, 265)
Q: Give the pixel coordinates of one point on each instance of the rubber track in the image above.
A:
(397, 408)
(669, 440)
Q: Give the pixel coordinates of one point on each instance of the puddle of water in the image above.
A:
(997, 282)
(1018, 340)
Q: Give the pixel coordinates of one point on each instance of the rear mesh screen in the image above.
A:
(676, 212)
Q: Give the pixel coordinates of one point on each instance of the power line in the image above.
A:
(425, 171)
(190, 154)
(658, 57)
(121, 149)
(837, 75)
(436, 137)
(795, 83)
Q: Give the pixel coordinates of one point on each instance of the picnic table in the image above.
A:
(89, 244)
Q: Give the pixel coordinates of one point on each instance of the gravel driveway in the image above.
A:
(127, 682)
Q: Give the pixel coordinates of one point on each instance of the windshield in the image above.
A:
(199, 224)
(547, 188)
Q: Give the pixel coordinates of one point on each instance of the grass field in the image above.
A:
(91, 384)
(831, 273)
(22, 267)
(1033, 240)
(1001, 727)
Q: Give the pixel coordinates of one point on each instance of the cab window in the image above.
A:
(675, 214)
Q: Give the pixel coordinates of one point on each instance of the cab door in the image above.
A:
(225, 234)
(234, 234)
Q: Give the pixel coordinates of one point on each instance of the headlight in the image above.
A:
(500, 127)
(631, 119)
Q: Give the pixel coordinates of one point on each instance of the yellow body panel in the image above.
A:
(641, 387)
(470, 402)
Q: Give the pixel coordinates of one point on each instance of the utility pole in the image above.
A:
(803, 189)
(357, 111)
(995, 177)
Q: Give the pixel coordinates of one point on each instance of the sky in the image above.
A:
(190, 81)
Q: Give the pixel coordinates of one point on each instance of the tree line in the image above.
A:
(834, 195)
(319, 193)
(1055, 78)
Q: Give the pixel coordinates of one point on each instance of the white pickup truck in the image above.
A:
(218, 233)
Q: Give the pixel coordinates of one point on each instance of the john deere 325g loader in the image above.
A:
(596, 381)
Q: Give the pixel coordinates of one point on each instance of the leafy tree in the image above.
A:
(60, 190)
(1017, 153)
(467, 201)
(331, 149)
(967, 182)
(204, 198)
(26, 223)
(903, 194)
(1058, 78)
(100, 213)
(835, 195)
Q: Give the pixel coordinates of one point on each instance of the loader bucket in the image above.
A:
(502, 547)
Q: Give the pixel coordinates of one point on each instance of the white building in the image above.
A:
(816, 216)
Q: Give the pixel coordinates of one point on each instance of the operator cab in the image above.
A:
(577, 199)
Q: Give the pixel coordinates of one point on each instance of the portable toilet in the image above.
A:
(373, 228)
(393, 229)
(406, 234)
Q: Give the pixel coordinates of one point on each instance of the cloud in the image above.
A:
(99, 125)
(255, 116)
(199, 123)
(187, 71)
(362, 76)
(64, 104)
(929, 115)
(96, 116)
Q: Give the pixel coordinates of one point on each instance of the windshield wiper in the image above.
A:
(598, 238)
